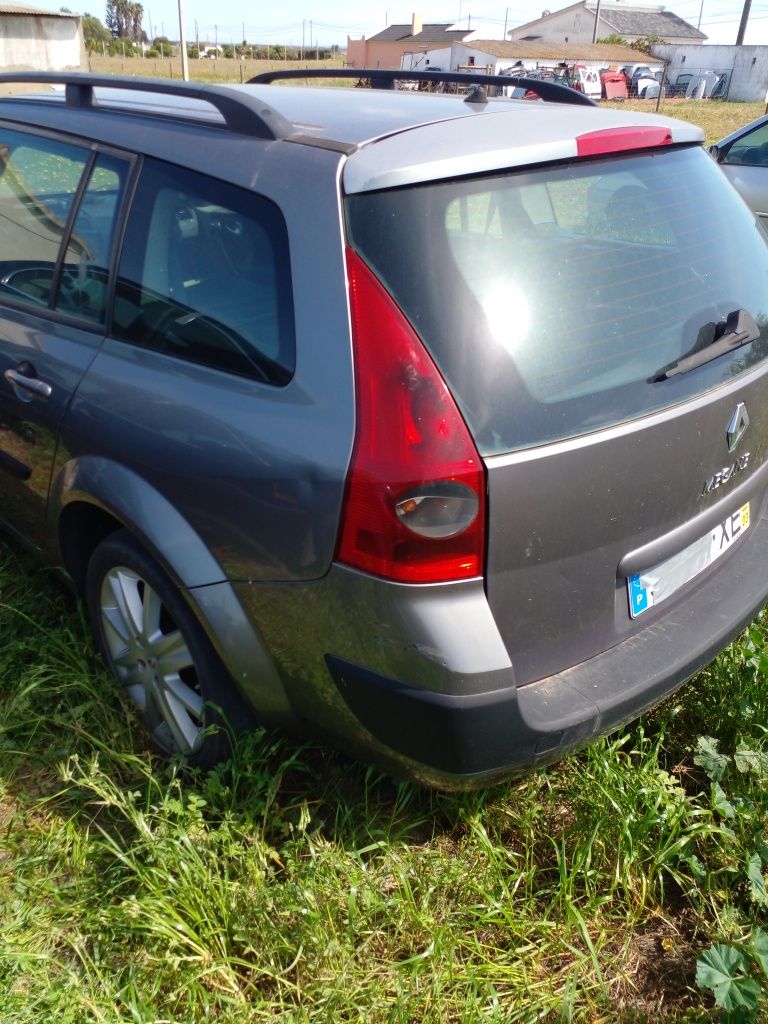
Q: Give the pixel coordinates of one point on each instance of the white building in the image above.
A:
(36, 40)
(746, 67)
(617, 18)
(492, 56)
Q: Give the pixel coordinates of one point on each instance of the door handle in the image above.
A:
(31, 384)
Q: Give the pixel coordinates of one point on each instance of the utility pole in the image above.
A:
(506, 15)
(597, 19)
(183, 44)
(743, 23)
(303, 23)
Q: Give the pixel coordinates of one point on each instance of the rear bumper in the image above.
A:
(461, 740)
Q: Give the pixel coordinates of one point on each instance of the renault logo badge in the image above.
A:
(737, 427)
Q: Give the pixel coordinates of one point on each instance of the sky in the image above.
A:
(325, 22)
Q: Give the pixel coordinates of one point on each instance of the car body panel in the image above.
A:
(555, 586)
(752, 185)
(57, 355)
(279, 476)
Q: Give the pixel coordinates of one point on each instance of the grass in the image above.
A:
(223, 70)
(294, 885)
(291, 885)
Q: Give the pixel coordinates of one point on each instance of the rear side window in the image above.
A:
(58, 210)
(551, 298)
(205, 277)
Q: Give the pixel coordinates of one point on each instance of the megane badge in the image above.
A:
(737, 427)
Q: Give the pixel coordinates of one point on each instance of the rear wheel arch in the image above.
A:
(82, 527)
(93, 498)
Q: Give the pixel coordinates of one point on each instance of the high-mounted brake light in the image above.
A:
(621, 140)
(414, 508)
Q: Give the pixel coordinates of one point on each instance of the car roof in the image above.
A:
(394, 138)
(357, 116)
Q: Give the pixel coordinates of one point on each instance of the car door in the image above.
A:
(745, 164)
(59, 205)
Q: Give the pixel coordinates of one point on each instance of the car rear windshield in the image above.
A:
(551, 298)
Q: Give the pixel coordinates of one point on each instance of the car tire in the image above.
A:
(159, 654)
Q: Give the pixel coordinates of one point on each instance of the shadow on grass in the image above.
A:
(58, 703)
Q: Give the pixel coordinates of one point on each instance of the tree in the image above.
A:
(135, 14)
(123, 19)
(111, 19)
(646, 43)
(614, 39)
(94, 30)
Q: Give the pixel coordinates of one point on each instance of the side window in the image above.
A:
(205, 276)
(39, 179)
(82, 286)
(750, 149)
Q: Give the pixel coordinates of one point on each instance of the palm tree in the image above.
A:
(136, 13)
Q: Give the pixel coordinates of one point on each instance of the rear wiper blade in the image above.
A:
(714, 340)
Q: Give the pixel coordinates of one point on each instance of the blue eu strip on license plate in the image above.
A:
(654, 585)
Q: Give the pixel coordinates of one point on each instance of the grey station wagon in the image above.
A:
(433, 425)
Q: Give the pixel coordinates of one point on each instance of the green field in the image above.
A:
(626, 884)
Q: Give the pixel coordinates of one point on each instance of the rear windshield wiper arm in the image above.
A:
(714, 340)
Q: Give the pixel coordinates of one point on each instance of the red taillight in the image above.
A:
(620, 140)
(414, 509)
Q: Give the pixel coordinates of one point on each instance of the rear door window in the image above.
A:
(204, 276)
(46, 187)
(551, 298)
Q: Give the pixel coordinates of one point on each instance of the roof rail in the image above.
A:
(242, 113)
(385, 78)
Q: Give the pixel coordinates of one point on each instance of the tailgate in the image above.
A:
(581, 531)
(603, 324)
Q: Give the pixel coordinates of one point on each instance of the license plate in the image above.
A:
(654, 585)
